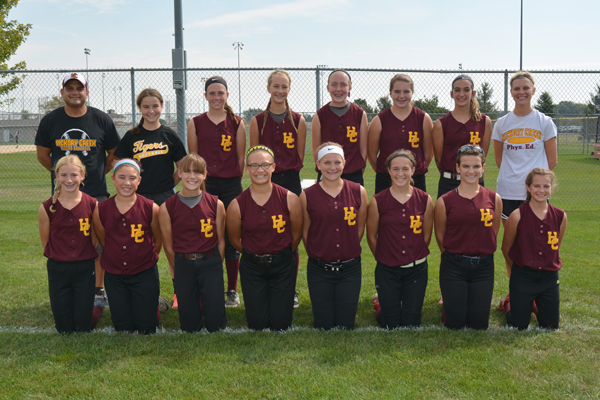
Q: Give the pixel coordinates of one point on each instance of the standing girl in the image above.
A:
(67, 234)
(464, 125)
(127, 227)
(335, 211)
(219, 137)
(467, 220)
(193, 230)
(265, 225)
(531, 253)
(342, 122)
(399, 226)
(157, 148)
(284, 131)
(402, 126)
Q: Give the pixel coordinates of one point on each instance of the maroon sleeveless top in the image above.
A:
(266, 229)
(193, 230)
(333, 231)
(217, 145)
(397, 134)
(282, 138)
(400, 238)
(457, 135)
(70, 236)
(128, 244)
(469, 223)
(344, 130)
(536, 243)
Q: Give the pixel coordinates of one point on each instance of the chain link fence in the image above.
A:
(24, 183)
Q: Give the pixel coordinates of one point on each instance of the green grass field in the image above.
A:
(430, 362)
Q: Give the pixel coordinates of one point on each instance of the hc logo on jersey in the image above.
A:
(278, 223)
(288, 140)
(84, 226)
(415, 224)
(486, 217)
(352, 135)
(413, 139)
(553, 240)
(475, 138)
(350, 215)
(226, 142)
(206, 228)
(137, 233)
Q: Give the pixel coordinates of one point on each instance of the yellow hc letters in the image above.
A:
(413, 139)
(553, 240)
(288, 140)
(486, 217)
(137, 233)
(475, 138)
(226, 142)
(278, 223)
(352, 135)
(350, 215)
(415, 224)
(84, 226)
(206, 228)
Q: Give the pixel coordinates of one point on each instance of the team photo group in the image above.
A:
(103, 248)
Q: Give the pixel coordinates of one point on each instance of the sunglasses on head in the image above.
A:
(468, 147)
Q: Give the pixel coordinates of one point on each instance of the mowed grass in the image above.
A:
(430, 362)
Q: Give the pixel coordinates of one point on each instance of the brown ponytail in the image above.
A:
(143, 94)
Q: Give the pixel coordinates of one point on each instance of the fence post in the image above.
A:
(318, 88)
(505, 91)
(133, 116)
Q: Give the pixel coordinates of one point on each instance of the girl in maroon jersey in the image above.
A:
(532, 237)
(284, 131)
(67, 234)
(193, 230)
(335, 211)
(464, 125)
(399, 226)
(402, 126)
(467, 220)
(342, 122)
(127, 227)
(219, 136)
(265, 225)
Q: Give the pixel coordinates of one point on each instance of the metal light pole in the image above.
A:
(121, 91)
(239, 46)
(87, 70)
(115, 91)
(58, 81)
(103, 106)
(320, 67)
(203, 98)
(521, 59)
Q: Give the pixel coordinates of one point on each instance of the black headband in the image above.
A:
(463, 78)
(216, 79)
(340, 70)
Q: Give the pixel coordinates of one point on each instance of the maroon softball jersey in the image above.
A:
(266, 229)
(469, 223)
(457, 135)
(216, 144)
(397, 134)
(345, 131)
(400, 238)
(282, 138)
(128, 244)
(70, 236)
(333, 231)
(536, 243)
(193, 230)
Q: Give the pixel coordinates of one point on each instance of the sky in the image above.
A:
(434, 34)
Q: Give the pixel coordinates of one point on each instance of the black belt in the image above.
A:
(262, 258)
(471, 260)
(331, 266)
(195, 256)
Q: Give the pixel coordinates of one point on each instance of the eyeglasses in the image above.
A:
(468, 147)
(256, 166)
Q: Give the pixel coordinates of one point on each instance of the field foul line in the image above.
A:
(171, 332)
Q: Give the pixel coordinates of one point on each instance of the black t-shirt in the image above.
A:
(89, 137)
(157, 151)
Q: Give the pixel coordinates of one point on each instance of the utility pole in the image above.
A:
(179, 73)
(239, 46)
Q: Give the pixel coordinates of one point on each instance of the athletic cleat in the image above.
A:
(233, 299)
(375, 301)
(175, 304)
(98, 309)
(105, 299)
(296, 300)
(163, 304)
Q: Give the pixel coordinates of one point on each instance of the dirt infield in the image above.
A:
(12, 148)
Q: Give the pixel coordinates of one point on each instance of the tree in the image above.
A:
(484, 97)
(545, 104)
(382, 103)
(431, 105)
(570, 108)
(51, 104)
(591, 105)
(249, 114)
(12, 35)
(308, 117)
(362, 103)
(25, 114)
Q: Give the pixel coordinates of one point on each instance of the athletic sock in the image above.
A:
(98, 290)
(233, 267)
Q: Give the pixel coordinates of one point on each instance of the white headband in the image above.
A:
(330, 150)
